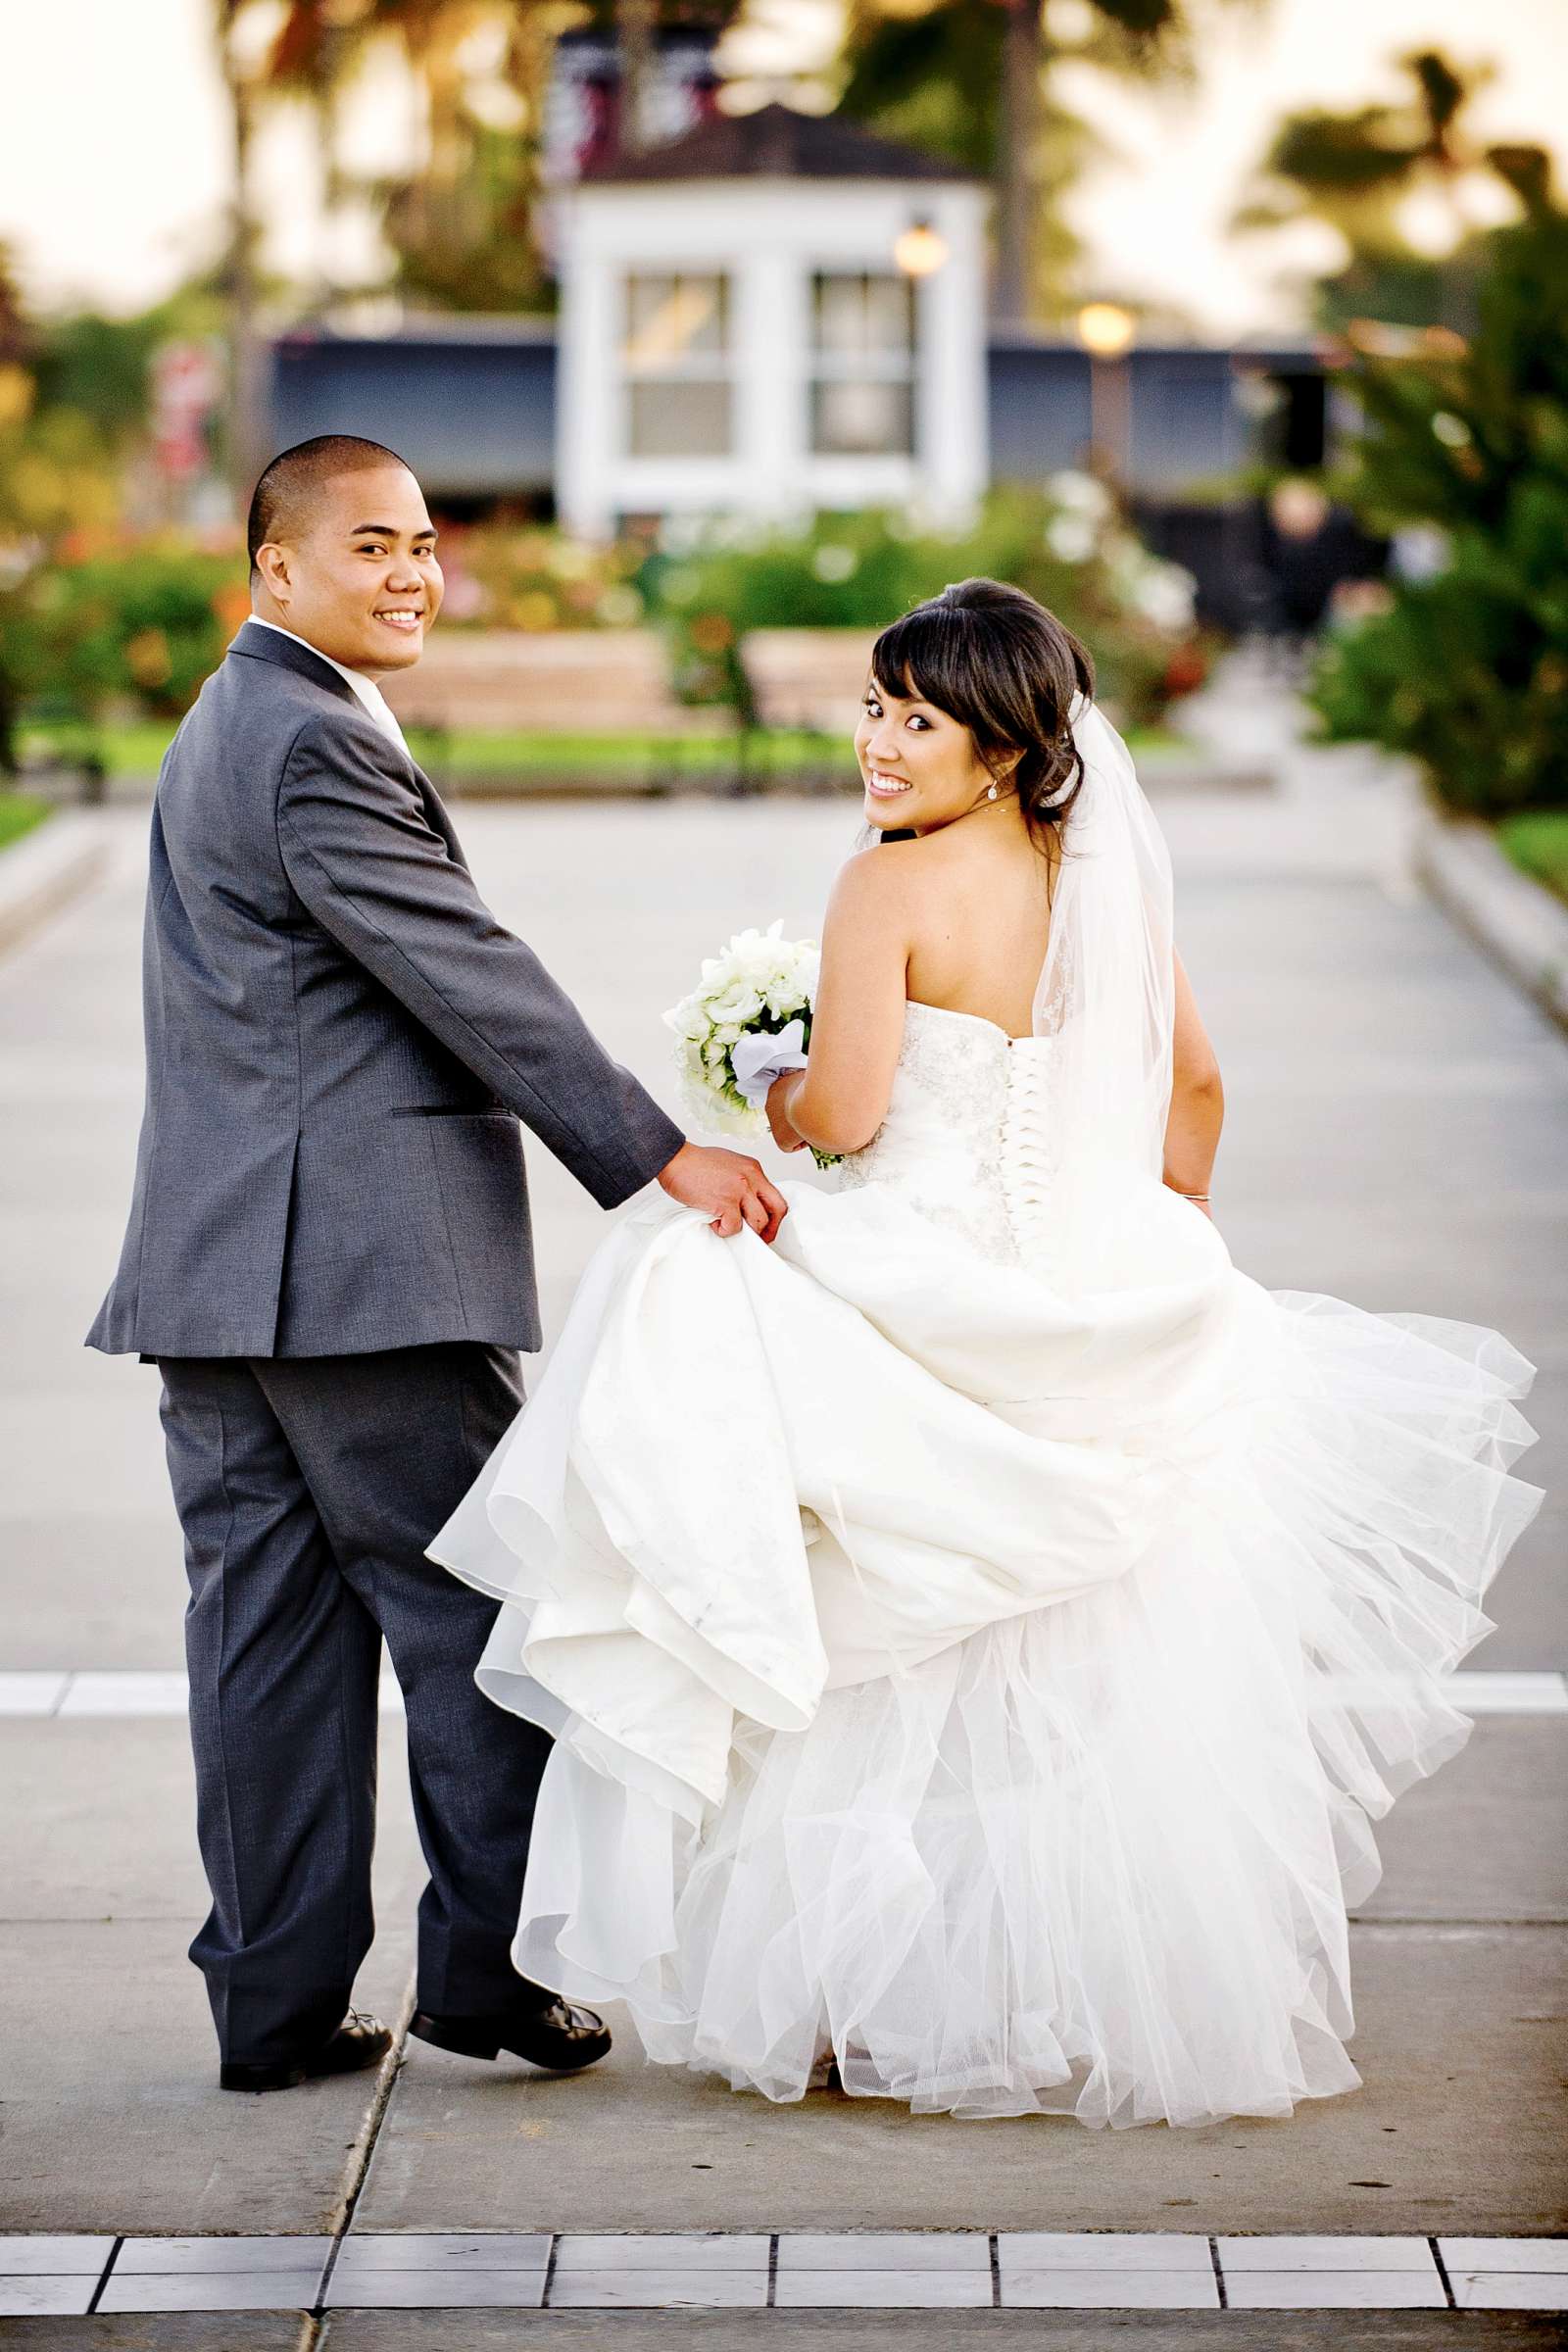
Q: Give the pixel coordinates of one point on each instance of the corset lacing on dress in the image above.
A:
(1029, 1145)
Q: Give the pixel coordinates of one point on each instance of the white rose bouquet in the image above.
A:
(747, 1021)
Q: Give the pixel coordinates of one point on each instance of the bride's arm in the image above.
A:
(840, 1100)
(1196, 1101)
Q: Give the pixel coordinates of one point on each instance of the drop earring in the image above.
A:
(991, 792)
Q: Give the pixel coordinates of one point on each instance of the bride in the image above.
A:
(978, 1631)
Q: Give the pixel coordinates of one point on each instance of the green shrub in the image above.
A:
(1064, 543)
(140, 622)
(1467, 667)
(1537, 844)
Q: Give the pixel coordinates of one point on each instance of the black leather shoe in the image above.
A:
(360, 2041)
(557, 2037)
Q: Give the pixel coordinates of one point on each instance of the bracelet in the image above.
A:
(1181, 1195)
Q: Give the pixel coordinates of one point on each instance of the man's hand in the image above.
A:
(730, 1189)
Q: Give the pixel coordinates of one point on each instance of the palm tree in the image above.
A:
(971, 79)
(243, 438)
(1358, 171)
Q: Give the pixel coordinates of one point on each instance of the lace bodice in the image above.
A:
(967, 1140)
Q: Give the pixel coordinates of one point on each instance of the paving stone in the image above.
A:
(449, 2288)
(1509, 2290)
(872, 2289)
(65, 2255)
(31, 1693)
(951, 2250)
(209, 2290)
(612, 2284)
(1506, 2253)
(418, 2250)
(705, 2251)
(122, 1693)
(1104, 2250)
(31, 2292)
(1135, 2288)
(187, 2257)
(1313, 2254)
(1359, 2290)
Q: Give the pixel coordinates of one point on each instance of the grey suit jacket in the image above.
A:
(340, 1041)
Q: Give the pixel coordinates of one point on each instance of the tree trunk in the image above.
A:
(1018, 195)
(247, 420)
(636, 23)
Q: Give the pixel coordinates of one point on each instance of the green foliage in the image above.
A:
(1354, 171)
(20, 813)
(1467, 668)
(1539, 846)
(141, 623)
(1065, 544)
(99, 367)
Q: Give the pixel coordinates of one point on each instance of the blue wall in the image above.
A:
(472, 409)
(470, 404)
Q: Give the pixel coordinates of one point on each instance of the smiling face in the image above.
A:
(918, 765)
(356, 575)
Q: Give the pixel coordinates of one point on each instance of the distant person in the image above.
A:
(328, 1257)
(983, 1628)
(1309, 546)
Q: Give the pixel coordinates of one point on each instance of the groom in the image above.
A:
(328, 1256)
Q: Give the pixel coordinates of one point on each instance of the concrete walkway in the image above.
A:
(1397, 1134)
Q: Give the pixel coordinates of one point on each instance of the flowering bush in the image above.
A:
(1065, 543)
(525, 577)
(116, 619)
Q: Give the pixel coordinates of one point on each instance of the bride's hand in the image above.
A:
(778, 1117)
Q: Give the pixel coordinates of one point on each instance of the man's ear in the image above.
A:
(272, 562)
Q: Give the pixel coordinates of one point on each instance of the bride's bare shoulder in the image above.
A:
(892, 871)
(880, 903)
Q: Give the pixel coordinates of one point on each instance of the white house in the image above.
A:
(777, 312)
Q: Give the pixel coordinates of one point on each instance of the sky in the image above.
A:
(114, 166)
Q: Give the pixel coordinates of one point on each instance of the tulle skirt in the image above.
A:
(1021, 1752)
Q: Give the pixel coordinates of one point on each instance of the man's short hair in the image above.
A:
(296, 474)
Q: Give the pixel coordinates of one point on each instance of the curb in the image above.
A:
(46, 870)
(1521, 926)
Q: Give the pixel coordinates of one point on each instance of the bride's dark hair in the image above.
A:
(1006, 668)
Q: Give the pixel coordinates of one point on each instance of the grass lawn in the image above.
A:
(1537, 844)
(20, 812)
(136, 750)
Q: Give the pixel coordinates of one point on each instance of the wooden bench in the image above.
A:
(809, 679)
(553, 681)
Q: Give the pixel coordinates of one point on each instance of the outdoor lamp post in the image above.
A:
(919, 250)
(1108, 334)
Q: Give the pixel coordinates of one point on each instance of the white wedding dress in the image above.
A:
(979, 1630)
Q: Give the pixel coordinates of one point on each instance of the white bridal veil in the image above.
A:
(1106, 997)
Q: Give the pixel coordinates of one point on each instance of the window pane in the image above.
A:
(863, 420)
(861, 316)
(670, 319)
(679, 420)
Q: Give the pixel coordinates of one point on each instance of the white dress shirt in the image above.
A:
(367, 689)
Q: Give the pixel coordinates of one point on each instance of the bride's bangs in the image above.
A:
(930, 655)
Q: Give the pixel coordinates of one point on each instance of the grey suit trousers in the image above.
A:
(308, 1489)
